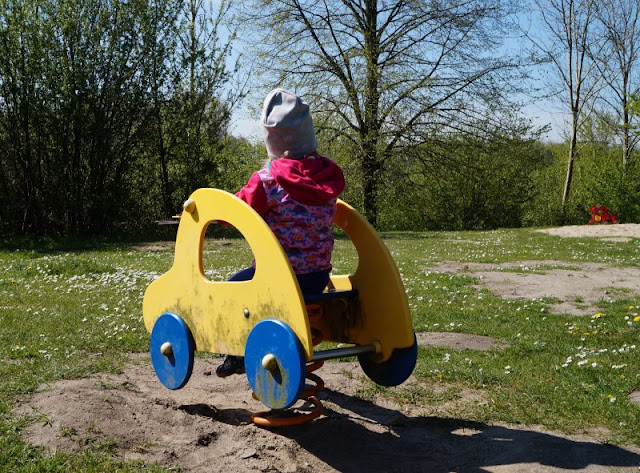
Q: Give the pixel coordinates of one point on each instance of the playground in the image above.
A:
(206, 426)
(382, 294)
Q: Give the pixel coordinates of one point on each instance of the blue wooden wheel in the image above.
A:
(172, 349)
(275, 363)
(396, 370)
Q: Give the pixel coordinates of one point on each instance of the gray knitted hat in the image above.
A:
(287, 125)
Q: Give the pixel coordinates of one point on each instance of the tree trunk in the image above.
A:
(626, 134)
(370, 168)
(370, 133)
(165, 185)
(570, 162)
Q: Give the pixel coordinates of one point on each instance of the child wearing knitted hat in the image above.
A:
(296, 195)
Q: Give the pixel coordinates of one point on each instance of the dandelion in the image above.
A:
(597, 315)
(611, 397)
(636, 318)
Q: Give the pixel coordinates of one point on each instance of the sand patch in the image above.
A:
(577, 287)
(619, 232)
(156, 246)
(458, 341)
(205, 427)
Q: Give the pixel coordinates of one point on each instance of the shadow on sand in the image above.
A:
(435, 445)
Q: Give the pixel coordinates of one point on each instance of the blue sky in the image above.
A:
(244, 126)
(543, 114)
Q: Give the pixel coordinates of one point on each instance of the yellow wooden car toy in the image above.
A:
(267, 319)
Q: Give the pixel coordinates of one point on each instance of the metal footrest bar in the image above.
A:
(334, 353)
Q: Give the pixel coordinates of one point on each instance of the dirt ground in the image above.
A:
(619, 232)
(206, 426)
(574, 288)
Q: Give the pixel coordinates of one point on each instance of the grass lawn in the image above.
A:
(68, 311)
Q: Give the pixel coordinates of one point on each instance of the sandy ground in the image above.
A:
(575, 288)
(618, 232)
(206, 426)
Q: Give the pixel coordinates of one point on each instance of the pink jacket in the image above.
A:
(297, 199)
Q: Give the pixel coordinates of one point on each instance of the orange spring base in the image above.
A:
(285, 418)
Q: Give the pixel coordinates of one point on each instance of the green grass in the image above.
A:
(539, 386)
(68, 311)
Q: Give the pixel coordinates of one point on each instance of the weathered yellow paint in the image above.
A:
(215, 311)
(384, 311)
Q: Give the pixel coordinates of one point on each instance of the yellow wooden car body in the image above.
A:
(220, 315)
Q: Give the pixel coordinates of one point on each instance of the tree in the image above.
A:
(490, 189)
(618, 62)
(569, 25)
(385, 75)
(22, 65)
(159, 30)
(71, 102)
(192, 97)
(202, 72)
(98, 55)
(96, 97)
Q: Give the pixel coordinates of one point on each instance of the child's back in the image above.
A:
(297, 199)
(296, 195)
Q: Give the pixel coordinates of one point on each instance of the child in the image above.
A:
(296, 195)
